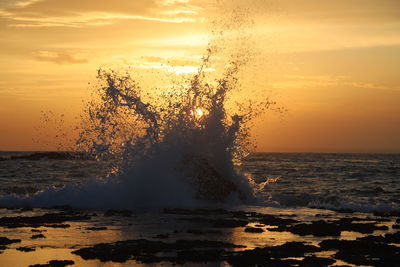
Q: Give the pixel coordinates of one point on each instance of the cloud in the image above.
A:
(326, 81)
(76, 13)
(174, 62)
(60, 57)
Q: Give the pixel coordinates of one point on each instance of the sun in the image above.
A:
(199, 112)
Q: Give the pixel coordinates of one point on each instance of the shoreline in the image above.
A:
(249, 235)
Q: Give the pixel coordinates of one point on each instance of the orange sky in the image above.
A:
(333, 65)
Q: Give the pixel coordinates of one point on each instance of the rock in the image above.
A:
(271, 256)
(316, 261)
(275, 221)
(25, 249)
(346, 224)
(4, 241)
(47, 220)
(96, 228)
(364, 252)
(37, 236)
(202, 232)
(211, 185)
(147, 251)
(316, 228)
(55, 263)
(253, 230)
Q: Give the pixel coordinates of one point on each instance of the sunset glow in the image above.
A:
(333, 67)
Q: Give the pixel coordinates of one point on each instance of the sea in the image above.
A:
(334, 181)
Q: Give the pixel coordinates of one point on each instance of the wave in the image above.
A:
(180, 149)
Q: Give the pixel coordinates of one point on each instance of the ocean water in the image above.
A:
(359, 182)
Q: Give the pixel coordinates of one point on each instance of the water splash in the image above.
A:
(182, 143)
(180, 148)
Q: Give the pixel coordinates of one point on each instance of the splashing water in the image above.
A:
(179, 149)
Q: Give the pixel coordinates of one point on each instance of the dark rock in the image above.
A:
(316, 261)
(38, 231)
(364, 252)
(55, 263)
(393, 238)
(210, 184)
(4, 241)
(316, 228)
(253, 230)
(202, 232)
(96, 228)
(25, 249)
(386, 239)
(47, 220)
(61, 263)
(203, 255)
(64, 225)
(276, 221)
(396, 226)
(330, 228)
(271, 256)
(387, 213)
(37, 236)
(146, 251)
(346, 224)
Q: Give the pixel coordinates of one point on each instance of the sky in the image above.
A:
(333, 67)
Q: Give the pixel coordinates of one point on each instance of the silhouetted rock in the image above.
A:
(272, 256)
(316, 228)
(330, 228)
(147, 251)
(316, 261)
(7, 241)
(275, 221)
(26, 249)
(211, 185)
(48, 220)
(96, 228)
(202, 232)
(364, 252)
(37, 236)
(55, 263)
(253, 230)
(346, 224)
